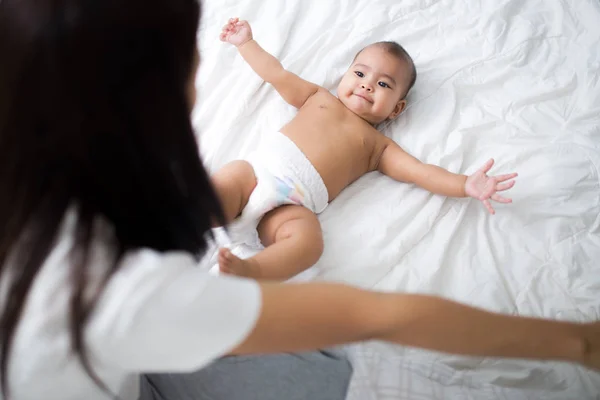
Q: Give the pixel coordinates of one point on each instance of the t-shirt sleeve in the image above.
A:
(161, 313)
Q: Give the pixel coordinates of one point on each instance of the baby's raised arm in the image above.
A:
(293, 89)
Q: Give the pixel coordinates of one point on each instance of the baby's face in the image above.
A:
(373, 85)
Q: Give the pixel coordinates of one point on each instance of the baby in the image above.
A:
(329, 144)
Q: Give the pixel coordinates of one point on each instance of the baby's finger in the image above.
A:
(487, 166)
(502, 178)
(489, 207)
(501, 199)
(504, 186)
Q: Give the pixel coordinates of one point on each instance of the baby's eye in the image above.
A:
(359, 74)
(383, 84)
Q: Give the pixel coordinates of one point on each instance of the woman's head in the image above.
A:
(94, 111)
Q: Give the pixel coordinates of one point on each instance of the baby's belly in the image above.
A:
(339, 160)
(337, 179)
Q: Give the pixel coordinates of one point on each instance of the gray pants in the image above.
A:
(322, 375)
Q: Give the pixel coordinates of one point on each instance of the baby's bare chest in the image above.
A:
(330, 127)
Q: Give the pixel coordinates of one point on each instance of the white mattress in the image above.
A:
(510, 79)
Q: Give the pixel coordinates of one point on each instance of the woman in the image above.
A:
(105, 209)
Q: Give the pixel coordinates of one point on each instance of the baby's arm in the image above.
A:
(293, 89)
(401, 166)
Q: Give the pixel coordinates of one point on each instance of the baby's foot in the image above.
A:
(230, 264)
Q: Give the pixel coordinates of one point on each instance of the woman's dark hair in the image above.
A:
(94, 113)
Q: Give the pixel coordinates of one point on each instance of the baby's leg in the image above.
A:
(234, 184)
(293, 240)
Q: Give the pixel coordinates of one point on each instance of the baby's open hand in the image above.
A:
(482, 187)
(236, 32)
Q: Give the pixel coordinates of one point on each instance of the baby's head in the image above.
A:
(376, 84)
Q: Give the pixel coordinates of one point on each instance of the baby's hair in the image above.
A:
(399, 52)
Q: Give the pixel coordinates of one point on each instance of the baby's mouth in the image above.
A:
(362, 96)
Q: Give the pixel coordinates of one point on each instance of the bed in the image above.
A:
(509, 79)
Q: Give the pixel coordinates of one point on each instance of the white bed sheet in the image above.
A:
(510, 79)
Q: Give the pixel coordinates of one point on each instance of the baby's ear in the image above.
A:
(398, 109)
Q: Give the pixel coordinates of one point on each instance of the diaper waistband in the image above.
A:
(280, 153)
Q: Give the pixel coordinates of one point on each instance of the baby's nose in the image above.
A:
(366, 87)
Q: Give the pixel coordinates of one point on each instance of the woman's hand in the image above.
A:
(591, 356)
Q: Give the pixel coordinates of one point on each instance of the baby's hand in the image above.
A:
(484, 188)
(236, 32)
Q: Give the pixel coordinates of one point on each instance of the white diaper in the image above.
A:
(284, 176)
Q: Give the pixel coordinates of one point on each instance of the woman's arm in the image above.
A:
(297, 317)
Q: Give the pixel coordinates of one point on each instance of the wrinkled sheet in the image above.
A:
(509, 79)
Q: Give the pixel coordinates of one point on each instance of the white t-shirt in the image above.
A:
(159, 312)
